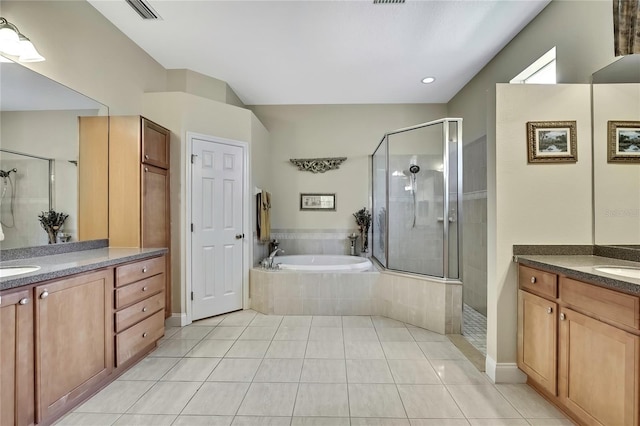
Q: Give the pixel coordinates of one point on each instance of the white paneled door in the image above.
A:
(217, 235)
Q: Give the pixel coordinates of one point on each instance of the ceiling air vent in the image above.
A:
(143, 8)
(387, 1)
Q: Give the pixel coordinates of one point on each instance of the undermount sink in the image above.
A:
(9, 271)
(621, 271)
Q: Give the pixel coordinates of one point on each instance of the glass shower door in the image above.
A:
(416, 184)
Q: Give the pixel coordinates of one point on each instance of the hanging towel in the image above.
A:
(265, 216)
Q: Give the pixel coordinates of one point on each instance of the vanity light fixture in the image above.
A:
(428, 80)
(14, 43)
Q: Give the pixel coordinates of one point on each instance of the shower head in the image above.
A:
(4, 174)
(414, 169)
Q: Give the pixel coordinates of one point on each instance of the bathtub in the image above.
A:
(323, 263)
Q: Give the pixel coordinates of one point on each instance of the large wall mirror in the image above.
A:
(40, 166)
(616, 130)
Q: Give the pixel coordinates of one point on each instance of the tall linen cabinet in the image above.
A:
(138, 182)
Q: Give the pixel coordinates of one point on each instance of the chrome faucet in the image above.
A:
(271, 256)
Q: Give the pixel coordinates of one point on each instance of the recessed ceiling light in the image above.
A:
(428, 80)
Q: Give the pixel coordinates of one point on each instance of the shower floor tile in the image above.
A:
(474, 328)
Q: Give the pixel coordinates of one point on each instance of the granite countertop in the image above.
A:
(62, 265)
(582, 267)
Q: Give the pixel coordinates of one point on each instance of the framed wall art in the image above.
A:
(623, 141)
(551, 142)
(325, 202)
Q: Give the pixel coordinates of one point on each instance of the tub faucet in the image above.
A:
(272, 255)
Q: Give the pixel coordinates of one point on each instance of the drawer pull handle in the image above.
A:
(144, 288)
(549, 310)
(563, 317)
(144, 270)
(533, 280)
(144, 309)
(24, 301)
(146, 156)
(44, 294)
(144, 334)
(146, 169)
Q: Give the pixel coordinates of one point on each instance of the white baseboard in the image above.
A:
(504, 372)
(176, 320)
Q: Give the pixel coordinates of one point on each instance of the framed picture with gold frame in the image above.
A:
(623, 141)
(552, 142)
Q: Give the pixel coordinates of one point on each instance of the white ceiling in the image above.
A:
(328, 52)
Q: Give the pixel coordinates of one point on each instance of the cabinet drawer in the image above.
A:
(133, 272)
(600, 302)
(534, 280)
(131, 342)
(139, 290)
(141, 310)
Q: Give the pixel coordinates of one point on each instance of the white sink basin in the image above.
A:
(9, 271)
(621, 271)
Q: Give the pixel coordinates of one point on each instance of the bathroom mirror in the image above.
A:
(616, 98)
(39, 154)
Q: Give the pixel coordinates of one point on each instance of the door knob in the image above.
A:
(563, 317)
(533, 280)
(24, 301)
(146, 156)
(44, 294)
(239, 236)
(549, 310)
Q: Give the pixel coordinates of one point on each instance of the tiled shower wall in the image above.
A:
(474, 225)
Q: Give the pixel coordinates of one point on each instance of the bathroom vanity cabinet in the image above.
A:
(16, 359)
(138, 184)
(74, 329)
(64, 339)
(139, 210)
(579, 344)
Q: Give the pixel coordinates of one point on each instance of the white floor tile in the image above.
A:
(440, 350)
(292, 333)
(185, 420)
(211, 349)
(482, 401)
(174, 348)
(165, 398)
(439, 422)
(279, 371)
(363, 350)
(191, 370)
(118, 397)
(150, 368)
(413, 372)
(455, 372)
(394, 335)
(326, 321)
(261, 421)
(261, 320)
(225, 333)
(145, 420)
(428, 401)
(286, 349)
(368, 371)
(192, 333)
(375, 401)
(248, 349)
(296, 321)
(402, 350)
(360, 334)
(269, 399)
(316, 399)
(317, 349)
(326, 334)
(320, 421)
(220, 399)
(235, 370)
(323, 371)
(84, 419)
(258, 333)
(528, 402)
(370, 421)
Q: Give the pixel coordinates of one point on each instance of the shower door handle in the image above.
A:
(451, 219)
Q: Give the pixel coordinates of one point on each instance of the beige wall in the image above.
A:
(312, 131)
(535, 203)
(181, 113)
(86, 52)
(582, 31)
(616, 185)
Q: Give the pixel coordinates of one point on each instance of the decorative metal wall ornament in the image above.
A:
(318, 165)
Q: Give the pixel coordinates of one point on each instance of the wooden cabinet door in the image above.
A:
(155, 144)
(17, 404)
(598, 370)
(74, 335)
(537, 325)
(156, 218)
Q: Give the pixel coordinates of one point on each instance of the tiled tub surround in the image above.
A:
(316, 241)
(420, 301)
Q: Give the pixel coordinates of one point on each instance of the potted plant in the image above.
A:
(52, 222)
(363, 220)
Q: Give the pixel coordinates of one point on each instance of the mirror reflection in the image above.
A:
(39, 155)
(616, 99)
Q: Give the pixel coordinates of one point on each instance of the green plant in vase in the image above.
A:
(52, 222)
(363, 220)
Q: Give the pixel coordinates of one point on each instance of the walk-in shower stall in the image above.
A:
(417, 194)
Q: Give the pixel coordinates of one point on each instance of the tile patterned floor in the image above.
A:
(246, 369)
(474, 328)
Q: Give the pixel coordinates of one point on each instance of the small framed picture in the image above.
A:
(325, 202)
(551, 142)
(623, 142)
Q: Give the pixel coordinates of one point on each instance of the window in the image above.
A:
(542, 71)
